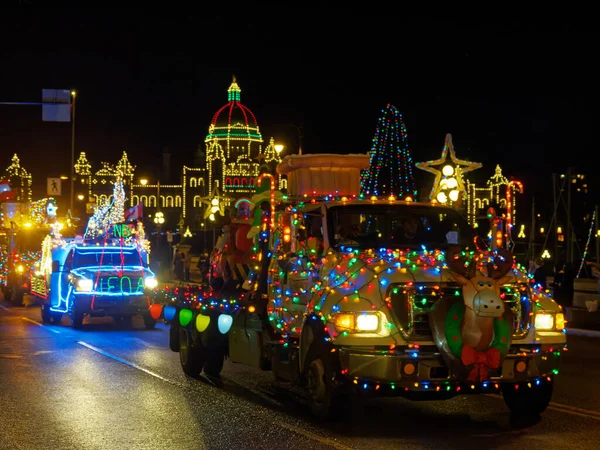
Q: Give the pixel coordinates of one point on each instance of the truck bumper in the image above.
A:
(422, 370)
(113, 305)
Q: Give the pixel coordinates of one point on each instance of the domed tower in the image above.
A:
(233, 147)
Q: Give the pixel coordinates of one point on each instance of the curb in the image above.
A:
(582, 332)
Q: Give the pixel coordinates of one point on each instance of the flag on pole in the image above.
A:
(135, 213)
(6, 192)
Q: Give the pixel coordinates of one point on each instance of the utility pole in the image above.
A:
(553, 224)
(531, 246)
(568, 234)
(73, 94)
(597, 237)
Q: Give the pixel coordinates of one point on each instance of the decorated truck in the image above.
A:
(81, 277)
(348, 295)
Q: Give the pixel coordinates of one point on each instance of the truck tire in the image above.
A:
(46, 313)
(149, 322)
(328, 399)
(76, 317)
(191, 356)
(527, 402)
(174, 337)
(215, 358)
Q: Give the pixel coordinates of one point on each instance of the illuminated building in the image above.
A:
(233, 160)
(20, 180)
(498, 192)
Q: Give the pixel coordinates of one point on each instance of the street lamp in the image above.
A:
(143, 182)
(279, 148)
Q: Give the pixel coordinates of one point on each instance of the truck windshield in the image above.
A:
(398, 226)
(107, 257)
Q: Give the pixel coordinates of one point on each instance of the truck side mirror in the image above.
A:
(55, 266)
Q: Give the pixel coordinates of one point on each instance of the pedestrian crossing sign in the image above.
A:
(54, 187)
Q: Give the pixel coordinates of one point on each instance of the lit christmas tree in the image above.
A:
(391, 170)
(108, 213)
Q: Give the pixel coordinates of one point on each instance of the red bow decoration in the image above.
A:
(480, 361)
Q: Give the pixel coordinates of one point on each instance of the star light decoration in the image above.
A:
(448, 186)
(214, 203)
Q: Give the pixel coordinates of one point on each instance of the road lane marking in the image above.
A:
(40, 325)
(124, 361)
(329, 442)
(5, 308)
(316, 437)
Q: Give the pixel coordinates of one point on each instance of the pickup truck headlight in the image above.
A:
(84, 284)
(361, 322)
(549, 321)
(150, 282)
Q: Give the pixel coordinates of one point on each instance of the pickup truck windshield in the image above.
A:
(107, 257)
(398, 226)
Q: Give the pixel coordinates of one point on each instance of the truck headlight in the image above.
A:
(367, 322)
(84, 284)
(361, 322)
(549, 321)
(150, 282)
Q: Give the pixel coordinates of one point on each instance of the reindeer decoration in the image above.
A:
(478, 330)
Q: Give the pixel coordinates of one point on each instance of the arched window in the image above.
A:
(178, 201)
(201, 182)
(252, 182)
(193, 182)
(244, 182)
(169, 201)
(135, 199)
(227, 181)
(197, 201)
(236, 181)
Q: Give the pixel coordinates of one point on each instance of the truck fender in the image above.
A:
(313, 335)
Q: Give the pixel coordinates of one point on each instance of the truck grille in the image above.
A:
(411, 304)
(124, 285)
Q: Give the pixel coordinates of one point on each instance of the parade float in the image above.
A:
(341, 299)
(104, 272)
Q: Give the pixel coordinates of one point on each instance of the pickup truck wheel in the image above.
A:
(76, 319)
(56, 317)
(527, 402)
(328, 400)
(46, 313)
(174, 338)
(191, 356)
(149, 322)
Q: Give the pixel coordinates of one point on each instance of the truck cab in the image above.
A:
(82, 278)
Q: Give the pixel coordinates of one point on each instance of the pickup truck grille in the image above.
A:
(125, 285)
(412, 303)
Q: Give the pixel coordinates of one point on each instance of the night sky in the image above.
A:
(522, 95)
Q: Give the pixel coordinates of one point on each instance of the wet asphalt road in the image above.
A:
(107, 388)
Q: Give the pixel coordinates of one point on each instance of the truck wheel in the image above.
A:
(17, 297)
(56, 317)
(46, 313)
(527, 402)
(149, 322)
(328, 400)
(76, 319)
(191, 356)
(215, 357)
(174, 338)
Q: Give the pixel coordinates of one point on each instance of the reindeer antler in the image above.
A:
(461, 262)
(500, 262)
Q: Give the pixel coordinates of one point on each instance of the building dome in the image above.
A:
(234, 121)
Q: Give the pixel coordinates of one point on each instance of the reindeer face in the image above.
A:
(482, 295)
